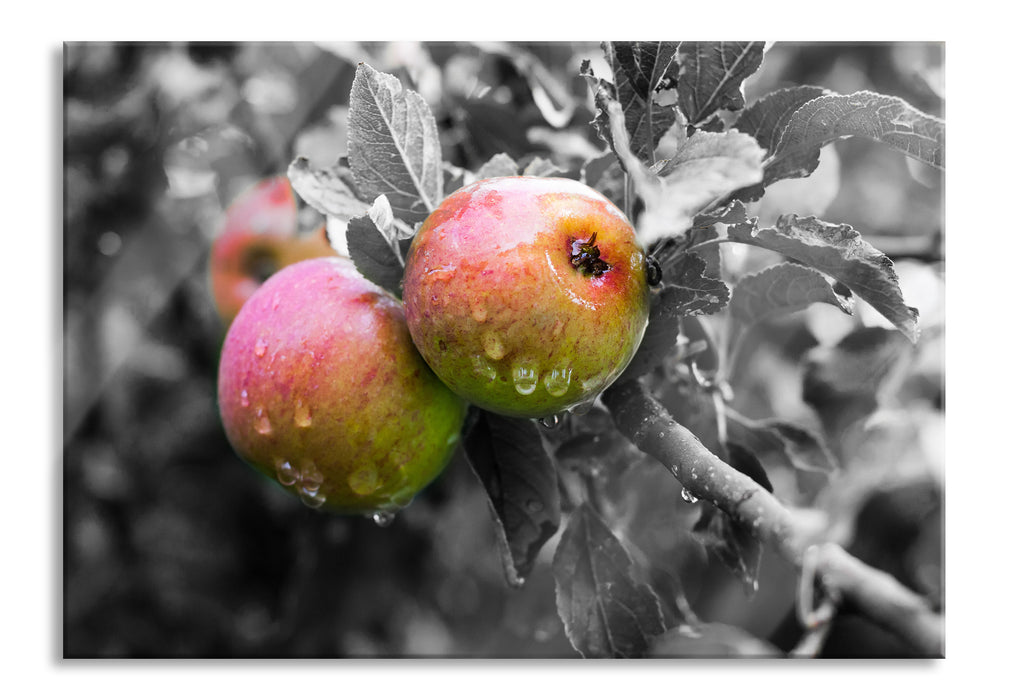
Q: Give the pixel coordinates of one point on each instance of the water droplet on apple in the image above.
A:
(287, 474)
(311, 478)
(483, 368)
(524, 379)
(302, 414)
(557, 381)
(262, 423)
(364, 481)
(687, 496)
(383, 518)
(260, 348)
(312, 500)
(493, 345)
(550, 422)
(245, 398)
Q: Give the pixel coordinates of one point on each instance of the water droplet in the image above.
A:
(260, 348)
(302, 414)
(493, 345)
(525, 379)
(287, 474)
(262, 422)
(687, 496)
(580, 409)
(550, 422)
(364, 481)
(452, 439)
(557, 381)
(483, 368)
(383, 518)
(312, 500)
(534, 506)
(311, 478)
(245, 398)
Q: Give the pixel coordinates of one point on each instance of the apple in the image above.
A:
(258, 236)
(321, 388)
(527, 296)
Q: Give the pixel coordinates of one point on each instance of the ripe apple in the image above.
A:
(258, 236)
(527, 296)
(321, 389)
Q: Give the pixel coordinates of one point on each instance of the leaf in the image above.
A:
(659, 338)
(710, 640)
(692, 292)
(393, 144)
(606, 612)
(645, 66)
(520, 478)
(883, 118)
(325, 190)
(782, 289)
(839, 251)
(712, 73)
(604, 175)
(780, 444)
(766, 119)
(370, 247)
(500, 165)
(732, 543)
(744, 461)
(541, 167)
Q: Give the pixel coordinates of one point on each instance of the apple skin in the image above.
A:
(258, 236)
(321, 389)
(497, 306)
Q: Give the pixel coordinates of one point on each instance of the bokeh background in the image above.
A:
(174, 548)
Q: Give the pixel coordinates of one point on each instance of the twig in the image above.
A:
(874, 594)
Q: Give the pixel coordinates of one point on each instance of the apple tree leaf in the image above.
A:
(712, 73)
(393, 145)
(520, 478)
(373, 246)
(541, 167)
(781, 444)
(500, 165)
(766, 119)
(604, 175)
(731, 542)
(840, 252)
(325, 190)
(782, 289)
(607, 613)
(691, 291)
(882, 118)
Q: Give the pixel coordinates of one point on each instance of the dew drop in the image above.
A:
(262, 422)
(687, 496)
(260, 348)
(287, 474)
(245, 398)
(312, 500)
(483, 368)
(383, 518)
(524, 379)
(364, 481)
(550, 422)
(557, 381)
(311, 478)
(493, 345)
(302, 414)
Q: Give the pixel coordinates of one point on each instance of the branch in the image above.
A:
(876, 595)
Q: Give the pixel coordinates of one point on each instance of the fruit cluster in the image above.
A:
(523, 296)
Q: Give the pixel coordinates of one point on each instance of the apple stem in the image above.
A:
(585, 257)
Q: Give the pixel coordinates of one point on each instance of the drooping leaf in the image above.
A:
(839, 251)
(520, 478)
(393, 145)
(882, 118)
(325, 190)
(711, 640)
(746, 462)
(606, 612)
(712, 73)
(692, 292)
(500, 165)
(766, 119)
(782, 289)
(370, 242)
(732, 543)
(780, 444)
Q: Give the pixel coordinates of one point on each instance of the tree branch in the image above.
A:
(874, 594)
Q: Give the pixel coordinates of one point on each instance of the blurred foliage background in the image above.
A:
(174, 548)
